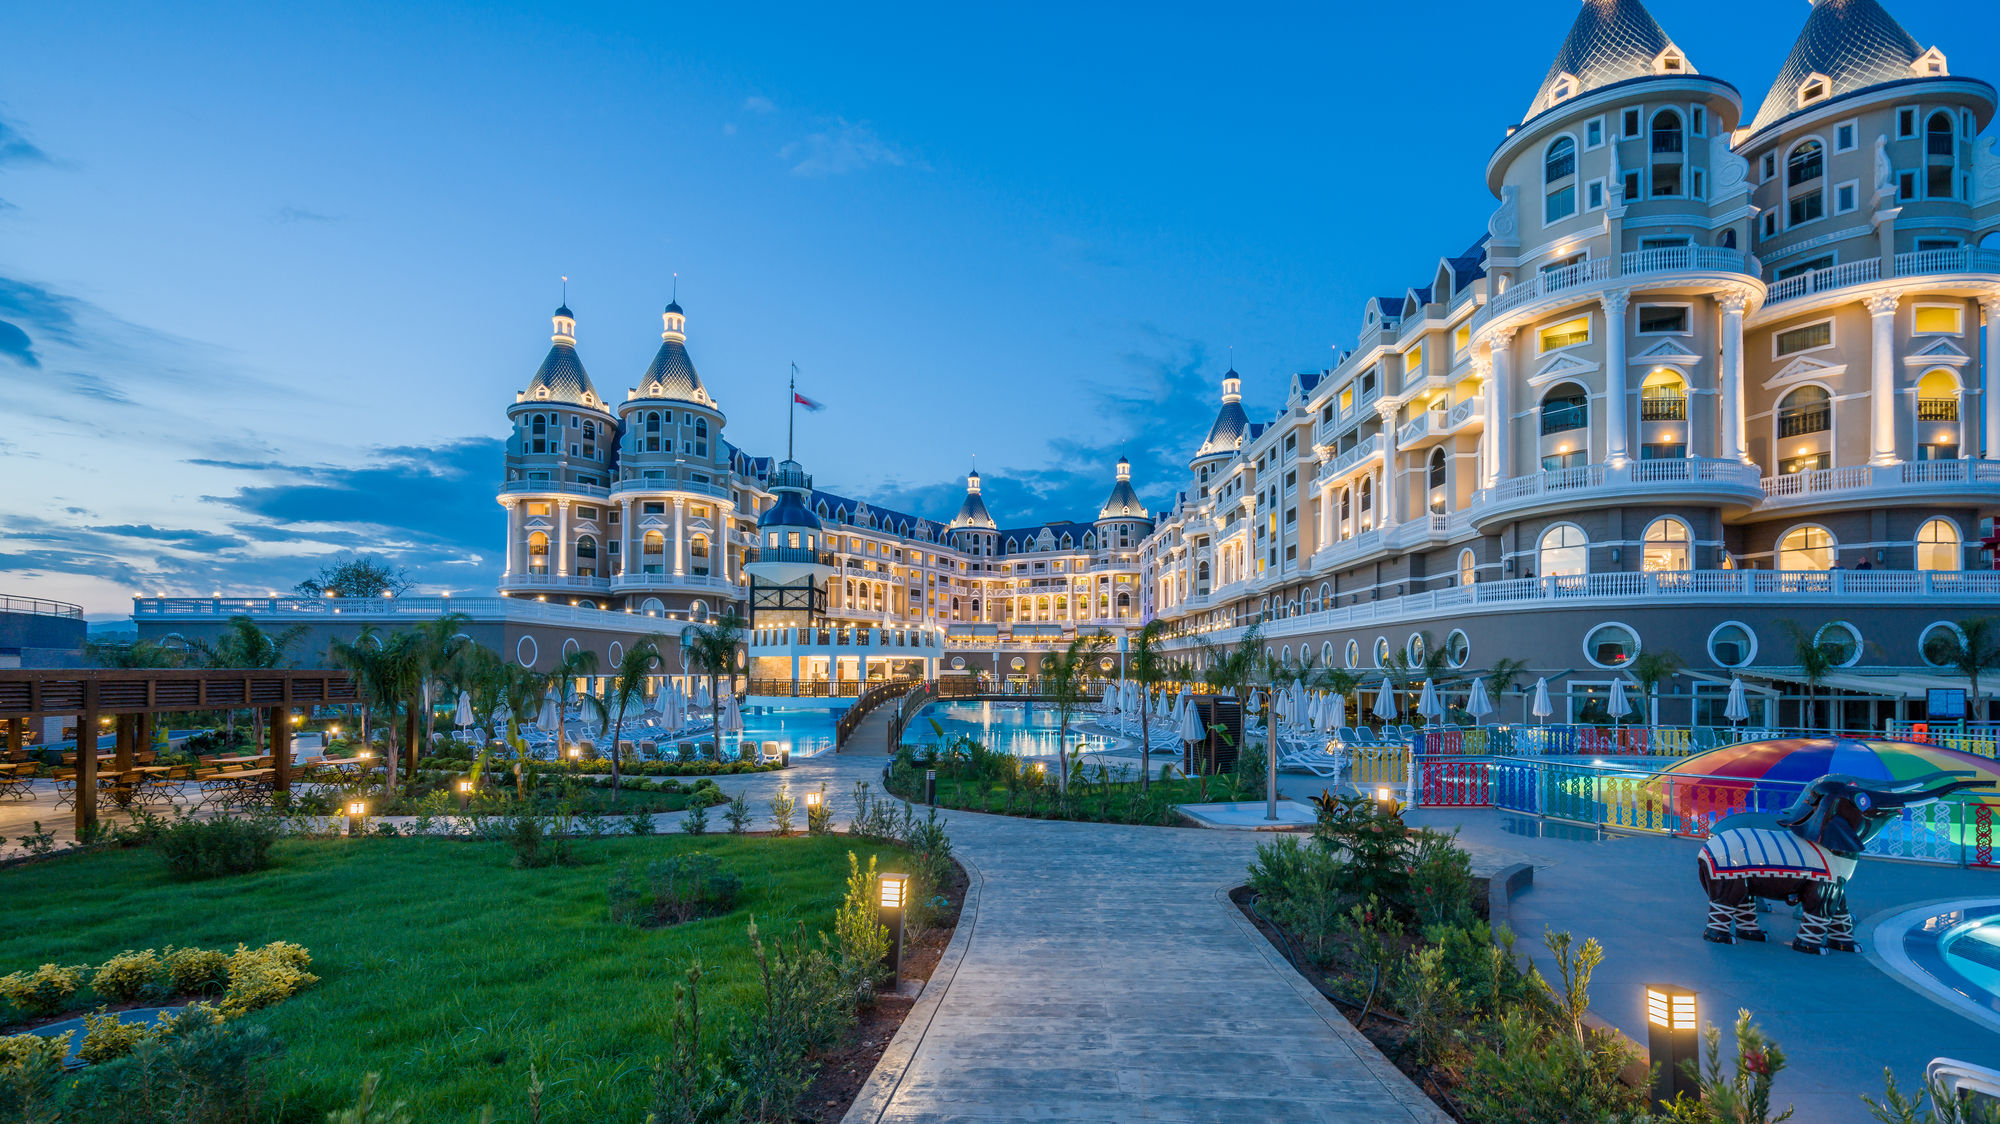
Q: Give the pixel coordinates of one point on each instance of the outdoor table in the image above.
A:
(239, 760)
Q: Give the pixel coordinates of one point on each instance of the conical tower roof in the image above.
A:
(1611, 41)
(1232, 425)
(1123, 502)
(1855, 44)
(561, 373)
(671, 373)
(972, 513)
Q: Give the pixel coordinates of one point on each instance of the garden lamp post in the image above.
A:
(1385, 800)
(812, 804)
(1673, 1040)
(357, 815)
(464, 794)
(890, 914)
(930, 787)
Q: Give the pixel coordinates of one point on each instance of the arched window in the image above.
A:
(1937, 415)
(698, 611)
(1939, 157)
(1468, 567)
(1669, 546)
(539, 426)
(701, 437)
(1565, 407)
(1808, 409)
(1434, 480)
(1938, 546)
(538, 553)
(586, 557)
(1559, 180)
(1663, 396)
(698, 555)
(652, 431)
(1806, 164)
(1346, 510)
(1564, 551)
(1667, 132)
(1805, 171)
(1367, 497)
(1809, 547)
(653, 553)
(652, 607)
(1201, 575)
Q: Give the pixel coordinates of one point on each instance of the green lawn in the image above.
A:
(443, 967)
(1089, 799)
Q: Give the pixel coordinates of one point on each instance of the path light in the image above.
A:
(464, 794)
(812, 803)
(357, 812)
(890, 914)
(1673, 1033)
(1385, 801)
(930, 787)
(575, 752)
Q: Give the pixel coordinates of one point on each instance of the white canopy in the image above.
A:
(1542, 708)
(701, 699)
(1191, 727)
(1428, 704)
(1620, 706)
(1477, 704)
(1336, 711)
(1738, 707)
(1385, 701)
(463, 718)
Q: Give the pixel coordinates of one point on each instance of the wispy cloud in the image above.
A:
(843, 146)
(287, 216)
(15, 345)
(17, 150)
(757, 103)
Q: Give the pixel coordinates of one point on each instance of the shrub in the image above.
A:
(860, 942)
(211, 848)
(783, 806)
(672, 891)
(212, 1074)
(696, 820)
(1373, 845)
(1440, 879)
(639, 823)
(688, 1087)
(48, 990)
(106, 1037)
(127, 976)
(819, 817)
(528, 835)
(738, 815)
(31, 1065)
(198, 971)
(1530, 1075)
(259, 977)
(803, 1009)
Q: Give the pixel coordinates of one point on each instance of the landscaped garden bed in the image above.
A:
(468, 979)
(971, 777)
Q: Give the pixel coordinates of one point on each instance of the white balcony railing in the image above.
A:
(1345, 462)
(555, 581)
(1638, 263)
(408, 607)
(1927, 263)
(1589, 477)
(1830, 482)
(553, 487)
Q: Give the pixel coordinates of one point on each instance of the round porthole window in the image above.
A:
(615, 653)
(571, 647)
(958, 663)
(1353, 653)
(526, 651)
(1106, 664)
(1381, 651)
(1610, 645)
(1841, 642)
(1940, 644)
(1457, 649)
(1732, 644)
(1414, 648)
(1019, 663)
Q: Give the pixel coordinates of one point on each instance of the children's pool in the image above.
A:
(1950, 951)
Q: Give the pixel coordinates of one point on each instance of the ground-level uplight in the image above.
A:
(890, 912)
(1673, 1039)
(357, 813)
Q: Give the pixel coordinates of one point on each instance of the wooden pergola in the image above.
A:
(131, 697)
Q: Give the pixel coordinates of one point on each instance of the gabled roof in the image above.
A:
(1855, 44)
(1611, 41)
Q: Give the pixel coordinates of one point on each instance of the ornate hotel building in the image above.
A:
(1713, 374)
(643, 506)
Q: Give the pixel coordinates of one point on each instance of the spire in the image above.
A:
(1232, 425)
(1123, 502)
(1611, 41)
(972, 513)
(672, 373)
(1846, 45)
(561, 378)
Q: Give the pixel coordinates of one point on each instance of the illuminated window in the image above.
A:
(1668, 546)
(1564, 551)
(1938, 546)
(1569, 333)
(1807, 548)
(1939, 320)
(538, 553)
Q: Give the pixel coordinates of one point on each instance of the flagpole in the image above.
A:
(791, 411)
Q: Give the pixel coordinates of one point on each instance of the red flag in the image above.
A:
(810, 405)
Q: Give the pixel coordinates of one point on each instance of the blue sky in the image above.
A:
(270, 274)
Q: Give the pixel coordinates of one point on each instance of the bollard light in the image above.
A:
(575, 752)
(812, 801)
(357, 812)
(1385, 801)
(890, 912)
(464, 794)
(1673, 1040)
(930, 787)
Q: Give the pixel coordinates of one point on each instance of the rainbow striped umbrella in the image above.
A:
(1767, 776)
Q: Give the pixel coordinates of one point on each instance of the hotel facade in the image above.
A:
(1715, 377)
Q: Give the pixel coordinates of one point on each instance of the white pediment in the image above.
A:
(1562, 366)
(1805, 368)
(1045, 541)
(1939, 352)
(1666, 351)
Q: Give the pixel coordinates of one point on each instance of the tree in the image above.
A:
(1234, 668)
(711, 650)
(1148, 667)
(573, 666)
(1649, 669)
(1817, 660)
(358, 576)
(388, 672)
(133, 654)
(1066, 677)
(242, 644)
(439, 642)
(1972, 650)
(627, 686)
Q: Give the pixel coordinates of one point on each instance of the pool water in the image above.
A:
(806, 731)
(1022, 729)
(1951, 951)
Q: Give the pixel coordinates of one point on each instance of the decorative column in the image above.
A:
(680, 543)
(513, 540)
(1882, 379)
(1390, 467)
(1502, 429)
(1989, 401)
(1617, 404)
(562, 538)
(1729, 408)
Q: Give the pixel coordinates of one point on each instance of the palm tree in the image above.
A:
(1649, 669)
(1972, 650)
(1066, 677)
(1816, 661)
(1502, 677)
(1147, 667)
(572, 667)
(711, 649)
(627, 686)
(439, 642)
(241, 644)
(388, 673)
(1234, 668)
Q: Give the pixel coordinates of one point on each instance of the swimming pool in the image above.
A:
(806, 731)
(1950, 952)
(1022, 729)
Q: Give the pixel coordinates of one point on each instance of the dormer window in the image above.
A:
(541, 392)
(1815, 88)
(1671, 61)
(1930, 64)
(1566, 87)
